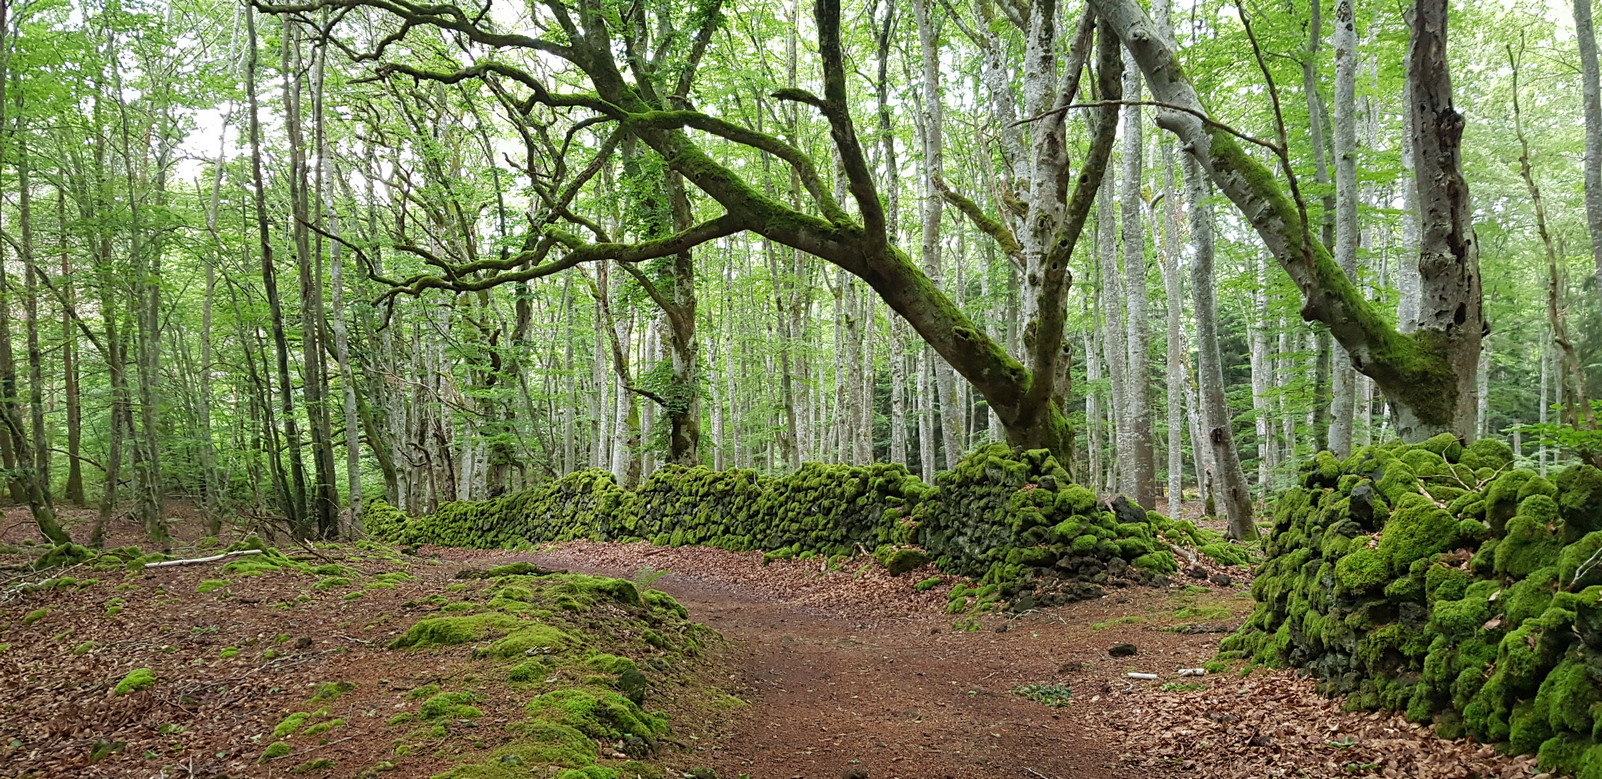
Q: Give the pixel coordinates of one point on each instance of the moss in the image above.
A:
(1446, 445)
(211, 584)
(274, 751)
(1363, 570)
(313, 766)
(35, 616)
(1502, 497)
(450, 706)
(1487, 453)
(1529, 546)
(1562, 754)
(899, 560)
(590, 588)
(1417, 529)
(328, 691)
(1397, 481)
(445, 631)
(1161, 562)
(1567, 697)
(1527, 598)
(927, 584)
(331, 582)
(1225, 553)
(1540, 507)
(291, 724)
(1580, 499)
(598, 714)
(138, 679)
(535, 638)
(1445, 582)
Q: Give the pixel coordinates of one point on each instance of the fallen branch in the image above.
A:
(213, 558)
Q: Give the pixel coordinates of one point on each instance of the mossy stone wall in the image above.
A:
(1443, 582)
(1011, 517)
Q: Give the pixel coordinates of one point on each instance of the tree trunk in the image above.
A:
(1142, 454)
(35, 451)
(1227, 475)
(295, 501)
(1343, 408)
(1591, 90)
(74, 492)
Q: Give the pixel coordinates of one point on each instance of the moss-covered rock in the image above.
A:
(1471, 603)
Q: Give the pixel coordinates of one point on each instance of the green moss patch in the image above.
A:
(138, 679)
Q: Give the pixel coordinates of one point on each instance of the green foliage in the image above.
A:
(1052, 694)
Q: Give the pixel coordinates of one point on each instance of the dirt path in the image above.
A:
(848, 691)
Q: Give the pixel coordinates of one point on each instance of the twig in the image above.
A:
(211, 559)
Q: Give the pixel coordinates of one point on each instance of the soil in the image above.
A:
(843, 673)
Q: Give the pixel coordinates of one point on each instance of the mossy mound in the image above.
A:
(1436, 580)
(585, 652)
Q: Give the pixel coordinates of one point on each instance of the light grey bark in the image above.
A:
(1229, 480)
(1173, 305)
(1141, 455)
(942, 399)
(892, 177)
(1407, 278)
(1262, 368)
(1110, 297)
(1344, 378)
(1093, 411)
(1482, 412)
(1591, 96)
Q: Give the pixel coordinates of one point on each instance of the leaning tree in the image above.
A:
(596, 45)
(1429, 374)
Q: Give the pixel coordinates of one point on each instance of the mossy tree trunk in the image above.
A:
(1429, 375)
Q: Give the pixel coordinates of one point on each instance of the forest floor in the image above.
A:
(845, 673)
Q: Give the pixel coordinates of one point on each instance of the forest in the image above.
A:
(1279, 322)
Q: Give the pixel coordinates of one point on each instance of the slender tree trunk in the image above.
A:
(1110, 297)
(1142, 455)
(295, 509)
(324, 494)
(1573, 381)
(35, 451)
(1227, 475)
(1262, 367)
(1591, 91)
(74, 492)
(1344, 394)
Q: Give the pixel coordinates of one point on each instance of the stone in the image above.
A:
(1122, 650)
(1197, 572)
(1221, 579)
